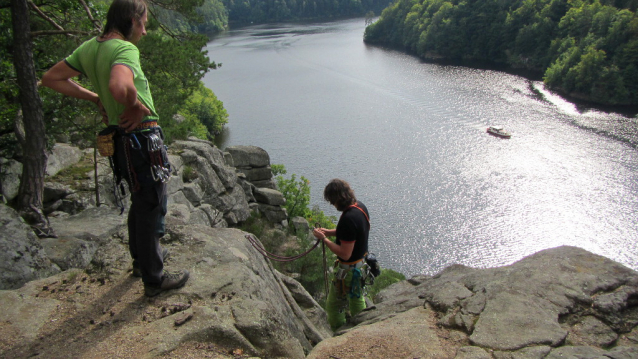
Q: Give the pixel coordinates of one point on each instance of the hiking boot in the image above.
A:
(170, 281)
(137, 272)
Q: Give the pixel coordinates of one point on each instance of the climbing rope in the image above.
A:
(257, 245)
(260, 248)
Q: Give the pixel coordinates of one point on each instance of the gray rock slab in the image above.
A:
(411, 334)
(512, 321)
(447, 295)
(249, 156)
(193, 192)
(177, 214)
(10, 173)
(62, 157)
(26, 314)
(54, 191)
(69, 252)
(91, 223)
(238, 293)
(591, 331)
(274, 214)
(623, 352)
(535, 352)
(269, 196)
(300, 226)
(472, 353)
(209, 156)
(22, 258)
(577, 352)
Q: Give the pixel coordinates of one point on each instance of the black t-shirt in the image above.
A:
(354, 226)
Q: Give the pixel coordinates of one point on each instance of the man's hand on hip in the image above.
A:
(133, 116)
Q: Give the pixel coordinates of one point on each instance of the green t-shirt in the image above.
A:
(95, 59)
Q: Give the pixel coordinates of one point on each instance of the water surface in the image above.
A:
(410, 138)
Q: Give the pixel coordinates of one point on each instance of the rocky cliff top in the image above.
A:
(73, 296)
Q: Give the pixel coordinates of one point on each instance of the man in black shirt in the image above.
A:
(350, 246)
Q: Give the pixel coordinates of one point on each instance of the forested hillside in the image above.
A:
(279, 10)
(584, 48)
(214, 15)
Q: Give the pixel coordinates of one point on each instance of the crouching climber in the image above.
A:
(351, 247)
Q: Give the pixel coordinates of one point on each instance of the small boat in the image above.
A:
(498, 131)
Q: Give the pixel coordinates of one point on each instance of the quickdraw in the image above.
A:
(154, 147)
(135, 185)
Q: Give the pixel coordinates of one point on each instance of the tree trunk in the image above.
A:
(35, 155)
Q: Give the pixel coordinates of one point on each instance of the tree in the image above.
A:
(35, 156)
(297, 195)
(39, 41)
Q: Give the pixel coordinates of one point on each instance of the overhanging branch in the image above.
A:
(59, 32)
(44, 16)
(96, 23)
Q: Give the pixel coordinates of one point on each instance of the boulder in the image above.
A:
(248, 187)
(217, 183)
(22, 257)
(92, 223)
(62, 156)
(211, 156)
(10, 173)
(55, 191)
(300, 226)
(256, 174)
(558, 303)
(269, 196)
(273, 214)
(69, 252)
(248, 156)
(412, 334)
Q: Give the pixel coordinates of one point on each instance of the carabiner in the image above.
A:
(136, 144)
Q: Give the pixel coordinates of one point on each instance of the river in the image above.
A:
(410, 138)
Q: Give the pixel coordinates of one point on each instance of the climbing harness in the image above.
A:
(155, 156)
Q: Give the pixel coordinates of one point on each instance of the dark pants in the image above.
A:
(148, 203)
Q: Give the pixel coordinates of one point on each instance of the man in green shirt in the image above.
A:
(111, 63)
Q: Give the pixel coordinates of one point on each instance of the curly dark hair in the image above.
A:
(121, 15)
(339, 194)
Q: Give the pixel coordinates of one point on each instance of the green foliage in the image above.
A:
(47, 50)
(386, 279)
(189, 174)
(203, 106)
(174, 67)
(278, 169)
(259, 11)
(255, 225)
(317, 216)
(209, 17)
(297, 195)
(584, 47)
(172, 59)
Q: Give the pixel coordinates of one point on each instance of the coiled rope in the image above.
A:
(260, 248)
